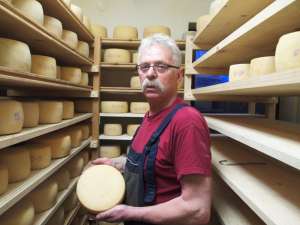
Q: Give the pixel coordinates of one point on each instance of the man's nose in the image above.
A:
(151, 73)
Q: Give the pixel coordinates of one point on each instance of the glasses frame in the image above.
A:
(154, 66)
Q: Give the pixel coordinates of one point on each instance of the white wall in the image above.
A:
(173, 13)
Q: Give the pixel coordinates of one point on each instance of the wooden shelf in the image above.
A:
(29, 133)
(230, 208)
(257, 37)
(59, 10)
(277, 84)
(129, 66)
(71, 215)
(122, 115)
(43, 218)
(19, 27)
(123, 137)
(11, 78)
(272, 192)
(18, 190)
(277, 139)
(231, 16)
(125, 90)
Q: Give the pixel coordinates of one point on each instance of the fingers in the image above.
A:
(100, 161)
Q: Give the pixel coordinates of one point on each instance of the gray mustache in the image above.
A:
(152, 83)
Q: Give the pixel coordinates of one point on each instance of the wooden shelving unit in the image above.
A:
(122, 115)
(71, 215)
(123, 137)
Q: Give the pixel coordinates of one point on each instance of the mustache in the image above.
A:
(153, 84)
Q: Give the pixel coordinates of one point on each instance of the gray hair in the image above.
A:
(163, 40)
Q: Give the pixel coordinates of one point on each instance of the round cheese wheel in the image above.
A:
(60, 144)
(54, 26)
(58, 72)
(131, 129)
(11, 117)
(116, 56)
(85, 131)
(239, 72)
(100, 188)
(86, 156)
(58, 217)
(44, 196)
(139, 107)
(15, 55)
(134, 57)
(3, 178)
(135, 82)
(125, 33)
(76, 135)
(114, 107)
(261, 66)
(112, 129)
(151, 30)
(71, 74)
(287, 55)
(83, 48)
(43, 65)
(75, 166)
(86, 22)
(110, 151)
(31, 113)
(31, 9)
(50, 112)
(40, 155)
(83, 106)
(62, 178)
(20, 214)
(68, 109)
(77, 11)
(17, 161)
(70, 38)
(70, 202)
(216, 5)
(99, 30)
(84, 79)
(203, 21)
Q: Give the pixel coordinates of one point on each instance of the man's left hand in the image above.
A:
(118, 213)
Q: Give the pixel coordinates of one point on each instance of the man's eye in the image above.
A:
(145, 66)
(161, 66)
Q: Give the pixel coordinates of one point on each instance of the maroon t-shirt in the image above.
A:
(184, 148)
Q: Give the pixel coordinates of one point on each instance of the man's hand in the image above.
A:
(118, 213)
(118, 162)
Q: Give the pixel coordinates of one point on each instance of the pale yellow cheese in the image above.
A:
(261, 66)
(85, 131)
(15, 55)
(44, 196)
(85, 155)
(83, 48)
(135, 82)
(110, 151)
(86, 22)
(139, 107)
(84, 79)
(131, 128)
(100, 188)
(71, 74)
(70, 202)
(11, 117)
(75, 166)
(58, 72)
(40, 155)
(134, 57)
(117, 56)
(151, 30)
(287, 55)
(31, 113)
(68, 109)
(58, 217)
(76, 135)
(99, 30)
(77, 11)
(83, 106)
(70, 38)
(239, 72)
(62, 178)
(3, 178)
(43, 65)
(203, 21)
(17, 161)
(31, 9)
(53, 26)
(20, 214)
(112, 129)
(114, 107)
(125, 32)
(50, 112)
(60, 144)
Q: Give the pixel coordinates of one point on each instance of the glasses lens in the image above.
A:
(161, 68)
(144, 67)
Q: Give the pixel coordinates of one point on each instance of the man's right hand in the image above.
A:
(118, 162)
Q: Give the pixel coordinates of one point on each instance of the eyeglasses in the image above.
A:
(158, 67)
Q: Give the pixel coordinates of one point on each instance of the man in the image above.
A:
(167, 171)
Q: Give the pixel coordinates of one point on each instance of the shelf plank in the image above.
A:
(257, 37)
(230, 208)
(123, 137)
(277, 139)
(18, 190)
(29, 133)
(19, 27)
(272, 192)
(43, 218)
(129, 66)
(71, 215)
(59, 10)
(277, 84)
(231, 16)
(11, 78)
(122, 115)
(125, 90)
